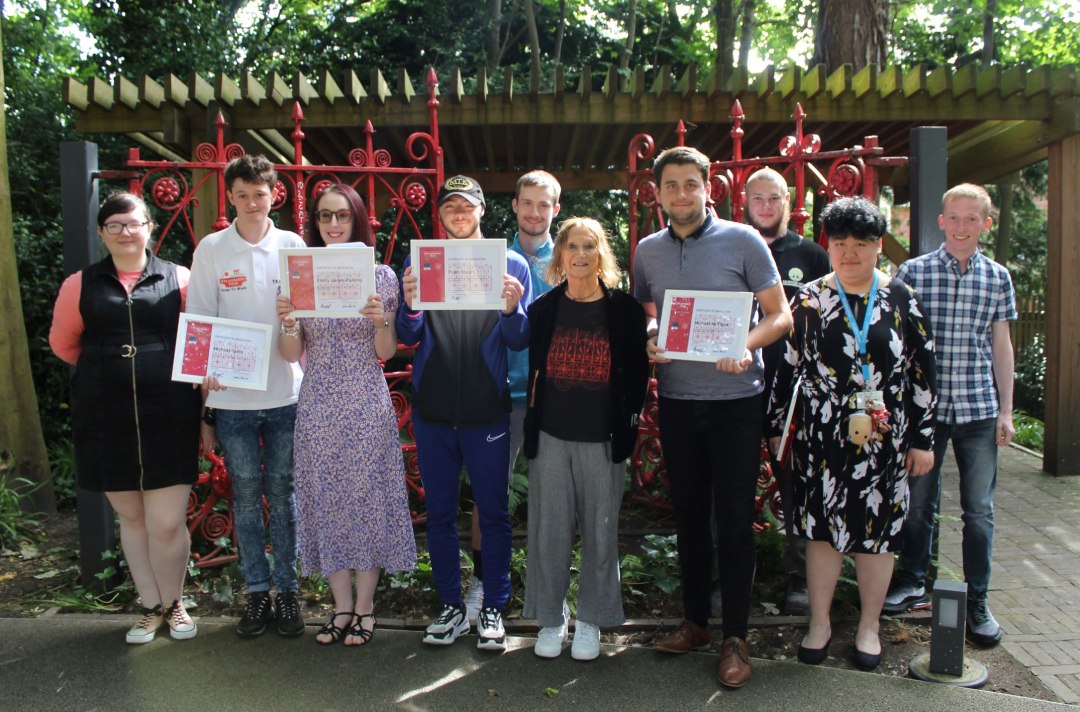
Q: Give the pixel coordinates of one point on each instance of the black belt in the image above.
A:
(124, 350)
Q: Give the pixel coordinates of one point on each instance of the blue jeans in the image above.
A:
(259, 469)
(975, 447)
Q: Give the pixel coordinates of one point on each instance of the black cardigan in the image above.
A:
(629, 366)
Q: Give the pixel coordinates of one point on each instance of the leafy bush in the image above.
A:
(1029, 385)
(17, 523)
(1029, 431)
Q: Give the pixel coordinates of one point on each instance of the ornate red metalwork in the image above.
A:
(173, 188)
(832, 174)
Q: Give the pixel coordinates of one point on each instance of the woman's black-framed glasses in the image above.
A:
(115, 228)
(326, 216)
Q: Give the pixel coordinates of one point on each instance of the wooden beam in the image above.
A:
(101, 93)
(302, 89)
(75, 94)
(405, 86)
(1061, 454)
(662, 83)
(156, 146)
(277, 89)
(789, 82)
(327, 88)
(839, 82)
(914, 81)
(227, 91)
(814, 81)
(380, 90)
(150, 92)
(126, 93)
(890, 80)
(354, 89)
(251, 89)
(938, 82)
(200, 90)
(687, 85)
(508, 85)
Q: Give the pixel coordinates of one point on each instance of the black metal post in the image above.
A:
(928, 165)
(79, 199)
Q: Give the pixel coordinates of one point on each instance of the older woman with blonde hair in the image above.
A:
(588, 372)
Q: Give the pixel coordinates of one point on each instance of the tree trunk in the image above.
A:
(988, 33)
(851, 32)
(746, 31)
(631, 32)
(1004, 222)
(724, 15)
(534, 37)
(494, 52)
(559, 32)
(20, 426)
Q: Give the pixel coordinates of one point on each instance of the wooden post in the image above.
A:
(1061, 454)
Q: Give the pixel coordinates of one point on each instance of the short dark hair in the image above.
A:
(250, 169)
(853, 217)
(361, 226)
(119, 203)
(681, 155)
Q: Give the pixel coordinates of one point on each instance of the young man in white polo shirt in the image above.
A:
(234, 275)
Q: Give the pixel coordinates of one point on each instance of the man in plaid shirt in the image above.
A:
(970, 300)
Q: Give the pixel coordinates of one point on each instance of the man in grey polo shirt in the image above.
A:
(710, 414)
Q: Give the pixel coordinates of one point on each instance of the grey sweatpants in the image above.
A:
(574, 483)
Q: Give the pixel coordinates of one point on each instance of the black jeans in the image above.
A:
(712, 451)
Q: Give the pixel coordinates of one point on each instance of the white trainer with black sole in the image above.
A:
(448, 627)
(490, 631)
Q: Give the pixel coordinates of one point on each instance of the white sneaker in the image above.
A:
(550, 640)
(474, 598)
(586, 641)
(450, 624)
(181, 627)
(147, 627)
(490, 631)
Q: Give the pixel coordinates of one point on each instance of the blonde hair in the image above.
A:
(969, 190)
(609, 267)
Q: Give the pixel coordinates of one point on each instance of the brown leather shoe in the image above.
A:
(734, 662)
(688, 636)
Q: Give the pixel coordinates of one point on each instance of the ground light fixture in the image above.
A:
(945, 663)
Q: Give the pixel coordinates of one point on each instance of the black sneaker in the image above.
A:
(289, 620)
(982, 628)
(258, 613)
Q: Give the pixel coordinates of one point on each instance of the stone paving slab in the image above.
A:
(1035, 583)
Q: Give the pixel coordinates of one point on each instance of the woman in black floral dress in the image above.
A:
(864, 422)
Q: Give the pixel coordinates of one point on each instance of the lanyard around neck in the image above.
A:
(861, 332)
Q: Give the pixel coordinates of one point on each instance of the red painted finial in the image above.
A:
(737, 111)
(297, 112)
(799, 114)
(219, 120)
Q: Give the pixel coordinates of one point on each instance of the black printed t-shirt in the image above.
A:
(577, 391)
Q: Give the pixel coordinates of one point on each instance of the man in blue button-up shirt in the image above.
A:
(970, 300)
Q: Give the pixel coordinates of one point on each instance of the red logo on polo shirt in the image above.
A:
(233, 280)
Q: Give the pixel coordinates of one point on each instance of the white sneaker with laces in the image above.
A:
(147, 627)
(550, 640)
(586, 641)
(450, 625)
(490, 631)
(474, 598)
(181, 627)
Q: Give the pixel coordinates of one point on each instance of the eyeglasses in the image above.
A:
(115, 228)
(343, 216)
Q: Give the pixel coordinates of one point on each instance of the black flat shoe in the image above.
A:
(865, 661)
(813, 656)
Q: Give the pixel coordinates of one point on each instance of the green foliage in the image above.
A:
(1029, 431)
(17, 522)
(1029, 383)
(656, 571)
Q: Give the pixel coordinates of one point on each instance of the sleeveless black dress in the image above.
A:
(133, 427)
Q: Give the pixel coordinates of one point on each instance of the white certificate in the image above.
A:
(237, 353)
(458, 274)
(704, 326)
(325, 282)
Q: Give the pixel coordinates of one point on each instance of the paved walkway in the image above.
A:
(1035, 585)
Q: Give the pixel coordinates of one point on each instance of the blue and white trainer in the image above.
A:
(490, 631)
(905, 597)
(451, 624)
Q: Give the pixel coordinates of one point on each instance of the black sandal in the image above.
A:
(336, 633)
(357, 629)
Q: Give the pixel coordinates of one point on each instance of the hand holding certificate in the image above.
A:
(460, 274)
(705, 326)
(333, 281)
(236, 353)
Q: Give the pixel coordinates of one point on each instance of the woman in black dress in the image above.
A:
(865, 412)
(136, 432)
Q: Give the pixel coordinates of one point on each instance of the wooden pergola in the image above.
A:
(998, 121)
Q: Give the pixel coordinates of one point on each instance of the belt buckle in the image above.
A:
(127, 351)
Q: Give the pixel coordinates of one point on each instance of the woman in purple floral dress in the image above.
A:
(350, 478)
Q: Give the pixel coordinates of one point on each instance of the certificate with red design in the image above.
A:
(458, 274)
(237, 353)
(333, 281)
(704, 326)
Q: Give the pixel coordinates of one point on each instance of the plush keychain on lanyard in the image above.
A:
(870, 415)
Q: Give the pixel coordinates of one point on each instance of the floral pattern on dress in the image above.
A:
(855, 497)
(351, 497)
